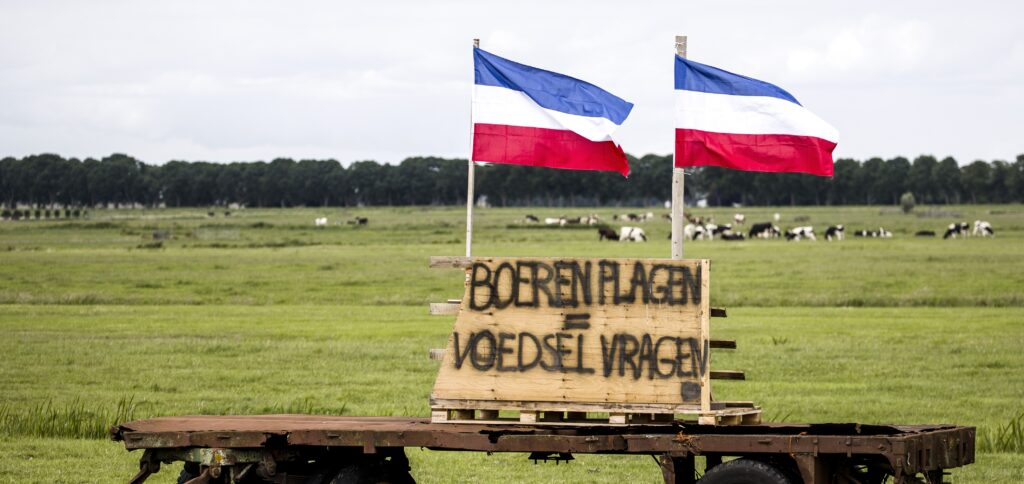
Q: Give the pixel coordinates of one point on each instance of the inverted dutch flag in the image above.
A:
(729, 120)
(528, 116)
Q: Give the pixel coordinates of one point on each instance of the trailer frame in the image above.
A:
(231, 448)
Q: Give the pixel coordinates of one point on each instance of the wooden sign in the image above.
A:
(579, 335)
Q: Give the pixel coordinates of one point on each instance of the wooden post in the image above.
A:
(469, 180)
(678, 195)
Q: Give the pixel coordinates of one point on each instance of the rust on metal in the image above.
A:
(908, 449)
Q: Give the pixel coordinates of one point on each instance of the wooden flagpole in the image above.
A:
(677, 183)
(469, 179)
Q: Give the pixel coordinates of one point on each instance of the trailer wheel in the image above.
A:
(381, 472)
(744, 471)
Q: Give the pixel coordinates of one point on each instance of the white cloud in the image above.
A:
(259, 79)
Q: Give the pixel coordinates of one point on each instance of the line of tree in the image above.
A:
(121, 180)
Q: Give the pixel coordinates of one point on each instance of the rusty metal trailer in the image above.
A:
(322, 449)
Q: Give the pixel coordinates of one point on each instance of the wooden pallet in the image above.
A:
(725, 413)
(580, 398)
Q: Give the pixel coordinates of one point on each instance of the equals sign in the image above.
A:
(576, 321)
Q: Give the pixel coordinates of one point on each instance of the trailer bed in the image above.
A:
(908, 449)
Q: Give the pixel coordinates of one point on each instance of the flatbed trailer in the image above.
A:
(325, 449)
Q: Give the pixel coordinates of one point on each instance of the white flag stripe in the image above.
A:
(723, 113)
(499, 105)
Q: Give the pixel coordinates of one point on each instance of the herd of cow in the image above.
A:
(699, 228)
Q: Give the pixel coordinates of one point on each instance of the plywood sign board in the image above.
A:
(602, 333)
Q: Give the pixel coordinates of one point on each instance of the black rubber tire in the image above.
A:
(372, 474)
(744, 471)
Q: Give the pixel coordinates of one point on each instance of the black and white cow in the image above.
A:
(881, 233)
(713, 230)
(532, 218)
(634, 234)
(983, 229)
(694, 232)
(730, 235)
(837, 232)
(605, 233)
(955, 229)
(795, 234)
(764, 230)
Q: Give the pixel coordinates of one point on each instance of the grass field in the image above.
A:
(261, 312)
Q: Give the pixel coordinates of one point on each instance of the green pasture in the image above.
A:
(262, 312)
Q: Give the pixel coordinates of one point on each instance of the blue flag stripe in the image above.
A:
(694, 76)
(550, 90)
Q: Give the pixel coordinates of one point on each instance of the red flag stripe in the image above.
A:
(552, 148)
(754, 152)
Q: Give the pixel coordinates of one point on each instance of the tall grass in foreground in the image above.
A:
(71, 420)
(1006, 438)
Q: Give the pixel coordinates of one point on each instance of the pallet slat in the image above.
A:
(444, 309)
(725, 413)
(450, 262)
(727, 375)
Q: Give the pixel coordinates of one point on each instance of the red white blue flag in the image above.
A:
(729, 120)
(528, 116)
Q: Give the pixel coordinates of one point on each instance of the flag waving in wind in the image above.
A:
(528, 116)
(725, 119)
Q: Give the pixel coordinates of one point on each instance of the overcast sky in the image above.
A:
(254, 80)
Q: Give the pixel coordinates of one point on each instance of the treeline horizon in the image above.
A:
(122, 180)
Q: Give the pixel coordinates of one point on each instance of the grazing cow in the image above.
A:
(924, 233)
(739, 218)
(764, 230)
(730, 235)
(627, 217)
(647, 216)
(956, 228)
(881, 233)
(694, 232)
(591, 219)
(532, 218)
(553, 221)
(605, 233)
(837, 232)
(634, 234)
(983, 229)
(320, 222)
(362, 220)
(711, 230)
(800, 232)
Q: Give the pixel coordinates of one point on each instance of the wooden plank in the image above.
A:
(692, 408)
(723, 344)
(449, 262)
(705, 334)
(527, 417)
(439, 415)
(444, 309)
(718, 313)
(727, 375)
(617, 418)
(598, 331)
